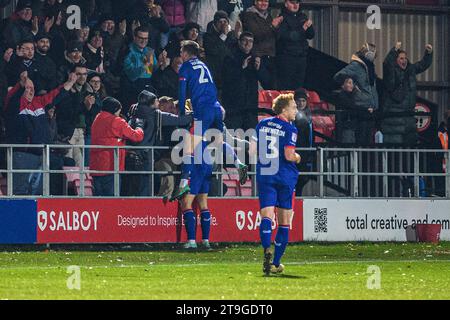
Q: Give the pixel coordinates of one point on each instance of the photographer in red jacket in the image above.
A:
(109, 129)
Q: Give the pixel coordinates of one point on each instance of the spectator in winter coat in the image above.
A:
(19, 27)
(151, 16)
(38, 70)
(109, 129)
(174, 12)
(73, 56)
(362, 70)
(218, 41)
(190, 31)
(347, 119)
(259, 22)
(304, 124)
(241, 72)
(233, 8)
(94, 52)
(166, 79)
(113, 37)
(292, 45)
(139, 65)
(93, 104)
(42, 46)
(153, 119)
(400, 94)
(27, 123)
(70, 114)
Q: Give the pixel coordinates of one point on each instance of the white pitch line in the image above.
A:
(212, 264)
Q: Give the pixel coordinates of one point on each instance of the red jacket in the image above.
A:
(109, 130)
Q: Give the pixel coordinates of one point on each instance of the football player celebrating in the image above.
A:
(276, 178)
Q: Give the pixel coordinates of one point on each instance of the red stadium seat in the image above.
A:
(88, 191)
(88, 187)
(324, 124)
(313, 97)
(72, 178)
(231, 180)
(87, 183)
(246, 189)
(233, 188)
(266, 98)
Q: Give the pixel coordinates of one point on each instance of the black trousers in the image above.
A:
(246, 119)
(271, 83)
(291, 72)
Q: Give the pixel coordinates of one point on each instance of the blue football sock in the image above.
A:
(281, 242)
(265, 232)
(206, 224)
(190, 224)
(186, 167)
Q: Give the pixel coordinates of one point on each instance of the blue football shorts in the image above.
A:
(276, 195)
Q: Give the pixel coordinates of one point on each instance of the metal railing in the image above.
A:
(334, 172)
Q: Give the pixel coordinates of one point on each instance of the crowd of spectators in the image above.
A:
(124, 48)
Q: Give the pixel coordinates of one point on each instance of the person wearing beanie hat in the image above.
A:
(109, 18)
(147, 98)
(94, 52)
(109, 129)
(147, 113)
(74, 46)
(365, 99)
(72, 56)
(218, 42)
(48, 66)
(114, 37)
(220, 15)
(303, 120)
(305, 126)
(19, 25)
(42, 35)
(300, 94)
(111, 105)
(24, 5)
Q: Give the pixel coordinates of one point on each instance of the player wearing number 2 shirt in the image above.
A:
(197, 84)
(277, 176)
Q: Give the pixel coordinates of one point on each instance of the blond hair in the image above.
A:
(282, 102)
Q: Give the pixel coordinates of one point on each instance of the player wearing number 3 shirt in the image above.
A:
(277, 176)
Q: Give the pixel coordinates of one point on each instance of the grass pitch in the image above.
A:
(313, 271)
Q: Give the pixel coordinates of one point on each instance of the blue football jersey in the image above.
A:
(274, 135)
(197, 84)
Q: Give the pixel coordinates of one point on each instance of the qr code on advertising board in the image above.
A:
(320, 220)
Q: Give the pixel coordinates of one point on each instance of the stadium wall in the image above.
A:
(146, 221)
(76, 221)
(371, 220)
(18, 221)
